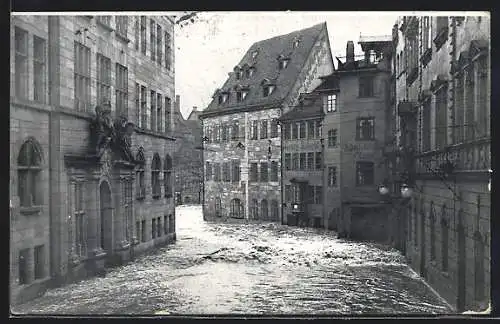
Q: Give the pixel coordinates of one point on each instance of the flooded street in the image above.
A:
(252, 269)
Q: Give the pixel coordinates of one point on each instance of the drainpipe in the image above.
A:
(203, 171)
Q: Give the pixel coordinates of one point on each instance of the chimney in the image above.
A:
(177, 105)
(195, 108)
(349, 52)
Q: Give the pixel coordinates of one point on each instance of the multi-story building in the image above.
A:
(241, 128)
(303, 171)
(442, 97)
(90, 167)
(188, 164)
(356, 134)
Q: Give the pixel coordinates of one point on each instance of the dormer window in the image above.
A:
(268, 90)
(296, 43)
(254, 54)
(223, 98)
(238, 75)
(241, 95)
(237, 72)
(283, 61)
(250, 71)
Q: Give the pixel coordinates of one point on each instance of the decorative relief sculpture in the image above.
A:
(106, 134)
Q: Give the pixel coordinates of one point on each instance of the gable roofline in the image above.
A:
(323, 27)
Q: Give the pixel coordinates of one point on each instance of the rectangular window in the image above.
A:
(39, 64)
(226, 172)
(286, 131)
(235, 131)
(103, 80)
(254, 176)
(144, 112)
(137, 112)
(310, 129)
(310, 160)
(159, 46)
(208, 171)
(121, 25)
(217, 177)
(153, 111)
(21, 62)
(366, 86)
(427, 32)
(224, 132)
(426, 126)
(158, 226)
(121, 90)
(274, 171)
(364, 173)
(263, 129)
(264, 172)
(254, 130)
(470, 103)
(302, 161)
(105, 20)
(318, 129)
(143, 35)
(168, 111)
(332, 176)
(82, 77)
(24, 256)
(302, 129)
(152, 39)
(440, 119)
(138, 230)
(288, 161)
(143, 230)
(295, 161)
(319, 160)
(331, 103)
(483, 98)
(318, 195)
(137, 36)
(159, 112)
(288, 193)
(236, 170)
(153, 228)
(365, 129)
(295, 131)
(274, 128)
(168, 51)
(39, 260)
(165, 224)
(332, 138)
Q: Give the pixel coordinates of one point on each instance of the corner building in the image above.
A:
(242, 150)
(77, 207)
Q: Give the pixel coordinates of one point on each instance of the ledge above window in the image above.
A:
(122, 37)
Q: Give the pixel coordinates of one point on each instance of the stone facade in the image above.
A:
(72, 212)
(447, 232)
(309, 57)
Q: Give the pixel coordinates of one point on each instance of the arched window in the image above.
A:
(264, 209)
(139, 174)
(218, 207)
(274, 210)
(479, 266)
(29, 167)
(167, 176)
(155, 176)
(444, 239)
(236, 208)
(432, 220)
(254, 209)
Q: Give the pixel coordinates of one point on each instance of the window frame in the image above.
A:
(361, 128)
(363, 82)
(365, 166)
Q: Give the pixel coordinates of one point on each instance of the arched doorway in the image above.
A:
(106, 217)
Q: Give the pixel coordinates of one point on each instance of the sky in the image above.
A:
(207, 50)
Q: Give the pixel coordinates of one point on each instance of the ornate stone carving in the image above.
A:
(122, 142)
(102, 129)
(105, 163)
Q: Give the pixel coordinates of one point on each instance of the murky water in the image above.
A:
(250, 269)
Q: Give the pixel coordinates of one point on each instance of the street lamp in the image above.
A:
(406, 191)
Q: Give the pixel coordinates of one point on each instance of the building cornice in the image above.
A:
(239, 108)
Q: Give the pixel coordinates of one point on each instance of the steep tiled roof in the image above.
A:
(266, 66)
(309, 107)
(329, 82)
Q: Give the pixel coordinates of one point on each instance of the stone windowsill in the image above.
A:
(122, 37)
(441, 38)
(426, 57)
(30, 210)
(105, 26)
